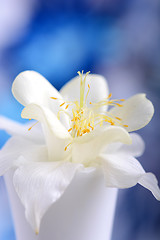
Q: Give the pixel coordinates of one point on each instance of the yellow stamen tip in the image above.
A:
(110, 95)
(119, 105)
(53, 98)
(118, 118)
(67, 106)
(62, 104)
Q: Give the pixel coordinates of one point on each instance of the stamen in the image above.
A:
(87, 93)
(109, 96)
(67, 106)
(54, 98)
(67, 146)
(90, 126)
(84, 119)
(119, 105)
(86, 130)
(32, 126)
(82, 88)
(62, 104)
(118, 118)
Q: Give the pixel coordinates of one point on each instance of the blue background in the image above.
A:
(119, 39)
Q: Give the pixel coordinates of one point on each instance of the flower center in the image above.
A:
(85, 118)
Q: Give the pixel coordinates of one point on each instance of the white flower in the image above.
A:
(85, 136)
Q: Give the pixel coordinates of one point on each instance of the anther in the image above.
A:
(90, 126)
(118, 118)
(62, 104)
(67, 106)
(110, 95)
(32, 126)
(53, 98)
(67, 146)
(119, 105)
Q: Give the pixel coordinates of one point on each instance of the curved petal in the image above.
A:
(57, 137)
(31, 87)
(150, 182)
(17, 129)
(135, 149)
(98, 88)
(124, 171)
(17, 147)
(86, 149)
(136, 112)
(120, 170)
(39, 185)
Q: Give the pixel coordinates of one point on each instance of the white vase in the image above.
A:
(84, 212)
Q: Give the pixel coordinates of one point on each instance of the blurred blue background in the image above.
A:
(119, 39)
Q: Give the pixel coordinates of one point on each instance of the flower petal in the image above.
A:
(150, 182)
(17, 147)
(57, 137)
(135, 149)
(39, 185)
(86, 148)
(98, 88)
(124, 171)
(32, 87)
(17, 129)
(136, 112)
(120, 170)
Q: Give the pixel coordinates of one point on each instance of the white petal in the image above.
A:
(16, 129)
(120, 170)
(136, 112)
(86, 148)
(32, 87)
(39, 185)
(98, 88)
(124, 171)
(135, 149)
(150, 182)
(17, 147)
(57, 137)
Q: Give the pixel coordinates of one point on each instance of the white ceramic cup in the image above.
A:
(84, 212)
